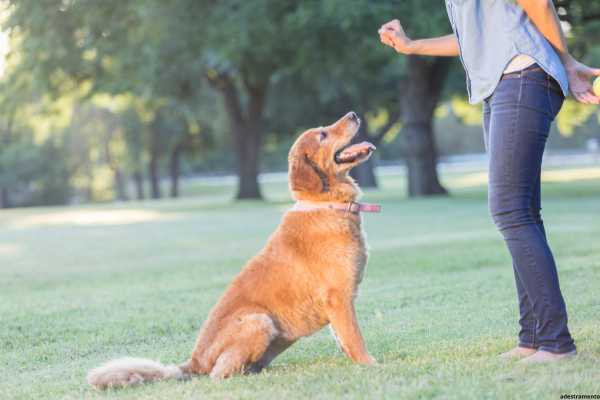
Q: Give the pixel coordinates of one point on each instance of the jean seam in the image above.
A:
(534, 331)
(510, 140)
(538, 276)
(538, 281)
(548, 97)
(513, 133)
(532, 340)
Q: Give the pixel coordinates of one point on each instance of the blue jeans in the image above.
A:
(517, 118)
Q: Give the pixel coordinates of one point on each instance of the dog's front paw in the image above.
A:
(368, 360)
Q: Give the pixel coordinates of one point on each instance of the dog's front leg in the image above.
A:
(342, 317)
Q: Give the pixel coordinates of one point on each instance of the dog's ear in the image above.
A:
(305, 175)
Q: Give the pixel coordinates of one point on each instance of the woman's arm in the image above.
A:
(392, 34)
(543, 14)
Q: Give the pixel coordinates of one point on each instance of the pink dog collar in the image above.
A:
(352, 207)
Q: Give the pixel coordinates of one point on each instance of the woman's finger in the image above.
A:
(393, 25)
(578, 97)
(592, 98)
(587, 72)
(388, 33)
(386, 41)
(585, 98)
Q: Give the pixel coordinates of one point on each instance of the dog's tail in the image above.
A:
(130, 371)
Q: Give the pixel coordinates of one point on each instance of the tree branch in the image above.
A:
(223, 82)
(257, 93)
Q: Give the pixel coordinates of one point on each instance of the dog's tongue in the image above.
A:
(355, 151)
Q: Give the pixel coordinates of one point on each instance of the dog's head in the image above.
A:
(320, 159)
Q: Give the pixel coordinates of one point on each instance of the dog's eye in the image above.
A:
(323, 135)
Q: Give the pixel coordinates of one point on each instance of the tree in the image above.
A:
(325, 51)
(243, 58)
(151, 50)
(419, 100)
(246, 124)
(32, 173)
(420, 96)
(356, 72)
(134, 135)
(157, 50)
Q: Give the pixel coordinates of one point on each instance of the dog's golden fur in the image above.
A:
(303, 279)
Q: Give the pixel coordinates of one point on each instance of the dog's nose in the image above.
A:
(353, 116)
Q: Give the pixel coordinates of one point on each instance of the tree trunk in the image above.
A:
(249, 143)
(5, 139)
(174, 170)
(89, 188)
(154, 163)
(248, 154)
(4, 202)
(120, 185)
(419, 100)
(154, 175)
(364, 174)
(138, 180)
(247, 131)
(119, 179)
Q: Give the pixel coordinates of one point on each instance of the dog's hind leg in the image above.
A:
(251, 335)
(277, 346)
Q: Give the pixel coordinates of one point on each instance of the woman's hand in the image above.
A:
(580, 77)
(392, 34)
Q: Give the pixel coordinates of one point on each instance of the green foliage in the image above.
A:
(583, 20)
(146, 64)
(573, 115)
(469, 114)
(34, 174)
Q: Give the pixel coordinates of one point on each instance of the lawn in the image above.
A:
(82, 285)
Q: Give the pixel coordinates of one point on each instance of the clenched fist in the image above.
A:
(392, 34)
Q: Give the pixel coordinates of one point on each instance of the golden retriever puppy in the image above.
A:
(305, 277)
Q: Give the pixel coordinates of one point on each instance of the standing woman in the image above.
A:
(516, 61)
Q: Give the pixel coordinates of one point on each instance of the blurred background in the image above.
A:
(128, 100)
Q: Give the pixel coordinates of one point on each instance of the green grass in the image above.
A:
(79, 286)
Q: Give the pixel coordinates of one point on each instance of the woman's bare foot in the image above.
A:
(518, 352)
(546, 356)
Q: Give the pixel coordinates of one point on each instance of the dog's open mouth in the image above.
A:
(355, 152)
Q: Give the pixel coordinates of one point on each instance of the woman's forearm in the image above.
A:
(392, 34)
(543, 15)
(437, 46)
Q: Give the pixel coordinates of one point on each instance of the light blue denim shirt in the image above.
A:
(490, 34)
